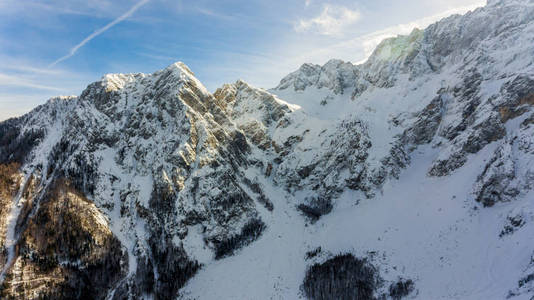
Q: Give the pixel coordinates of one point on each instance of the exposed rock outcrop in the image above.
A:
(133, 187)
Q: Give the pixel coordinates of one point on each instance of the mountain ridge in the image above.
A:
(190, 190)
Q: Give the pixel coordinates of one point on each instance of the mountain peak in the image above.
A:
(180, 67)
(132, 187)
(178, 70)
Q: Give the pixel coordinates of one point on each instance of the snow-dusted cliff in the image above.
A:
(418, 164)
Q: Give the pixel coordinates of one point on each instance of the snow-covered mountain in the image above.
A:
(410, 175)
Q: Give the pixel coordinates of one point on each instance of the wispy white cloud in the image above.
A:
(359, 48)
(269, 69)
(33, 9)
(18, 68)
(332, 20)
(370, 41)
(211, 13)
(26, 83)
(100, 31)
(10, 80)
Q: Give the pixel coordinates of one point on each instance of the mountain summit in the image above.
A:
(410, 175)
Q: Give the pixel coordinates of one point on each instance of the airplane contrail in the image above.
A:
(100, 31)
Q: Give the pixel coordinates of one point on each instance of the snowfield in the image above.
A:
(419, 162)
(429, 230)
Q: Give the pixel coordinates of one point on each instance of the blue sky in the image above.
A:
(57, 47)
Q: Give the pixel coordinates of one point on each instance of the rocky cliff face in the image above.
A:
(160, 159)
(478, 67)
(149, 186)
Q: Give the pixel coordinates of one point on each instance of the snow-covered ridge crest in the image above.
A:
(178, 70)
(423, 51)
(420, 160)
(508, 2)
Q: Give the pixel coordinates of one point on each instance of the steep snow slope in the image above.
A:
(453, 102)
(426, 229)
(420, 160)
